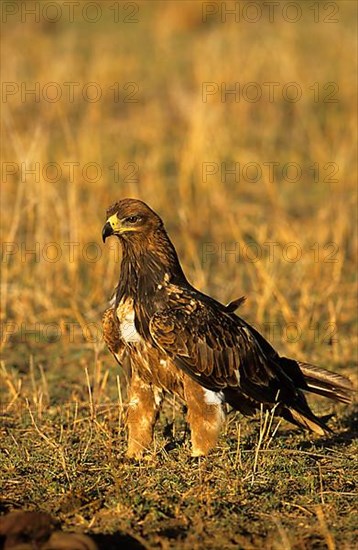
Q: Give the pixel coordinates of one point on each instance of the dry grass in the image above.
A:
(63, 441)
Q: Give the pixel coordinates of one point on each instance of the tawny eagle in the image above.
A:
(179, 340)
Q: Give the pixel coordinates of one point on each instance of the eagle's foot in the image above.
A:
(136, 450)
(205, 416)
(196, 453)
(203, 440)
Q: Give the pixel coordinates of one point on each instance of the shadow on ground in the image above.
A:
(342, 438)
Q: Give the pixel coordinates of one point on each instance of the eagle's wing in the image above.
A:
(219, 350)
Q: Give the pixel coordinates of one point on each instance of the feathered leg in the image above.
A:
(205, 416)
(143, 405)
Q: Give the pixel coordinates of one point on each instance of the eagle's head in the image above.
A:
(131, 219)
(147, 249)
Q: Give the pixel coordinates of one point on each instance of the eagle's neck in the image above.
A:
(146, 264)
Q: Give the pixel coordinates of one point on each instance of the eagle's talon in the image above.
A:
(134, 456)
(198, 454)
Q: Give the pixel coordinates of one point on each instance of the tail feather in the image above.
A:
(308, 421)
(296, 379)
(326, 383)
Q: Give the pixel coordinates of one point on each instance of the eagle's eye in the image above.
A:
(133, 219)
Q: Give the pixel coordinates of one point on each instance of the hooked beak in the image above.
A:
(111, 227)
(107, 231)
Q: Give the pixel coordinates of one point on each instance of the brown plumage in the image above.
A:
(178, 339)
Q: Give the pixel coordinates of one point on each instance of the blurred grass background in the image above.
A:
(168, 133)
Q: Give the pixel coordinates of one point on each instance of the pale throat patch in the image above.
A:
(125, 314)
